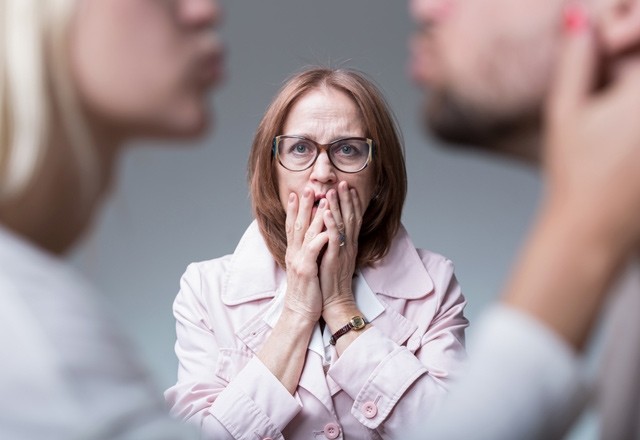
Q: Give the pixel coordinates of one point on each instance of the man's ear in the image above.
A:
(619, 26)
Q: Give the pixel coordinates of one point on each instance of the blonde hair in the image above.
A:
(382, 217)
(35, 85)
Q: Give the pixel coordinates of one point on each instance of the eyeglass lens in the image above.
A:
(348, 155)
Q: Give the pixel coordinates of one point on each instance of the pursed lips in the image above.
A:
(209, 66)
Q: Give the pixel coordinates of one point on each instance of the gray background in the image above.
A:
(186, 202)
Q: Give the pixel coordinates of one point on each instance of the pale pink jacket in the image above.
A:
(388, 379)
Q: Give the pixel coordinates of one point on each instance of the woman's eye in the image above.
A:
(346, 149)
(300, 149)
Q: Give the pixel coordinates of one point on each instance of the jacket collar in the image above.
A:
(253, 273)
(401, 273)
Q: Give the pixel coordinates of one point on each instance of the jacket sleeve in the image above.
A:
(227, 393)
(522, 382)
(394, 387)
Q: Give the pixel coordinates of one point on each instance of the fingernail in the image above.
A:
(322, 203)
(307, 192)
(575, 18)
(442, 10)
(291, 197)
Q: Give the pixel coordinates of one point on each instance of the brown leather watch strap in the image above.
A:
(356, 323)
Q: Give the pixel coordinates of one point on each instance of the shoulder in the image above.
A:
(250, 253)
(405, 253)
(202, 277)
(208, 268)
(441, 270)
(434, 262)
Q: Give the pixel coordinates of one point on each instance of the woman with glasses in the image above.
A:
(326, 321)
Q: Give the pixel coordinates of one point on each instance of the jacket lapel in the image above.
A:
(313, 380)
(401, 273)
(253, 274)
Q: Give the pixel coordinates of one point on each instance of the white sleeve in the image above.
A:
(67, 373)
(522, 382)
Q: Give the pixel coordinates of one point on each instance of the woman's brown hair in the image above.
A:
(382, 217)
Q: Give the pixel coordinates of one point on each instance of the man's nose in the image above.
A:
(432, 11)
(200, 12)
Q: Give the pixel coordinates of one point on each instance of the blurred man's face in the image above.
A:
(485, 65)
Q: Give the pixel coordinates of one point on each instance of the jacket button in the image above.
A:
(331, 431)
(370, 410)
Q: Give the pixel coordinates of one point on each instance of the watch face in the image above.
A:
(357, 322)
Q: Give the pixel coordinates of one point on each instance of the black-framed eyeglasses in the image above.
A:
(297, 153)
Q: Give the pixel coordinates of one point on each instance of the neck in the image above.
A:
(56, 209)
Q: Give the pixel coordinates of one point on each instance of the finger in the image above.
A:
(334, 204)
(333, 247)
(576, 69)
(304, 216)
(623, 98)
(346, 207)
(332, 228)
(292, 212)
(313, 247)
(357, 210)
(317, 224)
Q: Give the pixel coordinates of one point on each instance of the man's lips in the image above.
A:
(422, 68)
(210, 65)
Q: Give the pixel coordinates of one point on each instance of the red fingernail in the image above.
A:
(575, 18)
(443, 10)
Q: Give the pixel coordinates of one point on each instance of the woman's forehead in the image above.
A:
(324, 112)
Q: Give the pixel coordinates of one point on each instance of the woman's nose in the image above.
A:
(323, 170)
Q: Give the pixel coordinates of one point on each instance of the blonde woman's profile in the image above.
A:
(79, 78)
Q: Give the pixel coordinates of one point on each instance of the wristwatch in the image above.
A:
(356, 323)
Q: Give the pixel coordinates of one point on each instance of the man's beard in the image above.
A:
(463, 124)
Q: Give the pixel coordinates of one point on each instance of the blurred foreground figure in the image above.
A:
(78, 78)
(492, 67)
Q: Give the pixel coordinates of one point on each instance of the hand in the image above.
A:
(305, 241)
(589, 220)
(592, 157)
(338, 264)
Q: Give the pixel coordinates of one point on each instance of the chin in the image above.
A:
(196, 122)
(188, 126)
(462, 124)
(197, 128)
